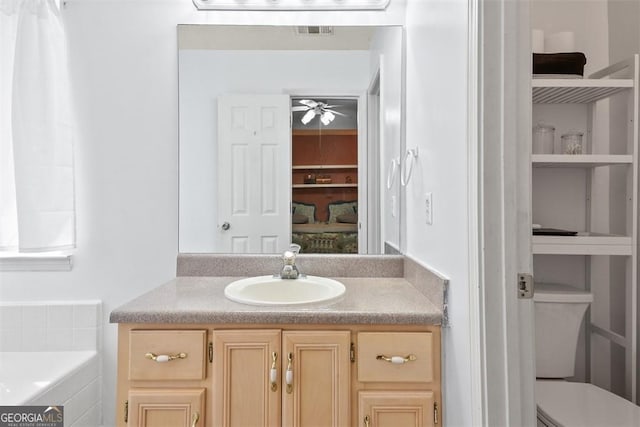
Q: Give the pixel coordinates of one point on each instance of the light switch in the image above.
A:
(428, 208)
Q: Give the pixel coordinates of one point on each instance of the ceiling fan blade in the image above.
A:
(308, 116)
(308, 102)
(300, 108)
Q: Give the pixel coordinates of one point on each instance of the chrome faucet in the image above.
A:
(289, 268)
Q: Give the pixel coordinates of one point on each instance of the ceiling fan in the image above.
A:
(313, 108)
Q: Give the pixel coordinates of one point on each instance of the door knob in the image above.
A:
(226, 226)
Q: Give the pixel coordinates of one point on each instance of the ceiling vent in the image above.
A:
(314, 30)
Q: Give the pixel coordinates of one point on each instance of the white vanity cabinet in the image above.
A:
(594, 193)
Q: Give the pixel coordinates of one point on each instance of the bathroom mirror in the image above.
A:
(227, 72)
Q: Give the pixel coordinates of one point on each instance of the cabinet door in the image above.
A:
(319, 373)
(396, 408)
(243, 394)
(169, 407)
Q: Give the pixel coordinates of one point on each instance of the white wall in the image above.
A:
(387, 55)
(436, 118)
(624, 28)
(207, 74)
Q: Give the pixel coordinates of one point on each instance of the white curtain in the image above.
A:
(37, 209)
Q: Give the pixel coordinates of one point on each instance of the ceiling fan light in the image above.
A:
(327, 117)
(308, 116)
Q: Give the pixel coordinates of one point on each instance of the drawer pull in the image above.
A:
(289, 374)
(273, 373)
(162, 358)
(194, 419)
(398, 360)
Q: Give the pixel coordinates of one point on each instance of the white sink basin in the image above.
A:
(269, 290)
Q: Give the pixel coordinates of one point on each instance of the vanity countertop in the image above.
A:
(190, 299)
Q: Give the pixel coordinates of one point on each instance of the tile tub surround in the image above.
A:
(50, 355)
(377, 292)
(50, 325)
(67, 378)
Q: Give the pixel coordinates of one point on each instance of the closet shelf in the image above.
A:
(303, 167)
(576, 91)
(325, 185)
(583, 244)
(579, 160)
(324, 132)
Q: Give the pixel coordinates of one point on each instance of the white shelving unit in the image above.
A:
(614, 80)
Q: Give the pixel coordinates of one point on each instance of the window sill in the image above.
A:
(35, 262)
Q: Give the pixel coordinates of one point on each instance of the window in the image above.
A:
(37, 206)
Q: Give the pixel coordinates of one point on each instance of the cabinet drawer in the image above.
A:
(414, 348)
(185, 349)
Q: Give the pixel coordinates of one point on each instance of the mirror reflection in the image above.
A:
(324, 148)
(286, 135)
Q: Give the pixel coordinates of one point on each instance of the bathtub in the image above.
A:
(53, 378)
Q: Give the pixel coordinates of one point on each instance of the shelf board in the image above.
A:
(324, 185)
(582, 244)
(579, 160)
(323, 131)
(576, 91)
(298, 167)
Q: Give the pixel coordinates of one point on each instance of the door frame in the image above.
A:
(363, 171)
(499, 124)
(374, 144)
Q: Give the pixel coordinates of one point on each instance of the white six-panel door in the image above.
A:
(254, 173)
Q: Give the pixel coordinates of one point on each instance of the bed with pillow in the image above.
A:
(339, 234)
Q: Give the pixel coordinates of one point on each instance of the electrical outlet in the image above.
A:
(428, 208)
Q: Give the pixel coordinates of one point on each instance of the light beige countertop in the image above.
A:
(367, 300)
